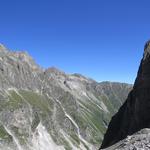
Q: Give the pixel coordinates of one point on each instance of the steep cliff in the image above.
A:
(134, 114)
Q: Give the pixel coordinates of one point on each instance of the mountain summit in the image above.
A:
(147, 50)
(134, 114)
(2, 48)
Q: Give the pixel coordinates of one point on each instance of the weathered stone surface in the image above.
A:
(134, 114)
(137, 141)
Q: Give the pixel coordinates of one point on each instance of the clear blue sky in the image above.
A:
(102, 39)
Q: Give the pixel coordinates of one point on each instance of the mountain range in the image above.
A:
(47, 109)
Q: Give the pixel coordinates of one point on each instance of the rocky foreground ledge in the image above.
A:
(138, 141)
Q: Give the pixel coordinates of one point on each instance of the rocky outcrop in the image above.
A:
(134, 114)
(137, 141)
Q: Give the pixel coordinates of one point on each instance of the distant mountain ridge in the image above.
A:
(47, 109)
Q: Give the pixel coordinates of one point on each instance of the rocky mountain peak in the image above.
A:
(54, 70)
(147, 50)
(23, 56)
(2, 48)
(134, 113)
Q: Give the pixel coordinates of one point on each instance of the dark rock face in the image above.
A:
(134, 114)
